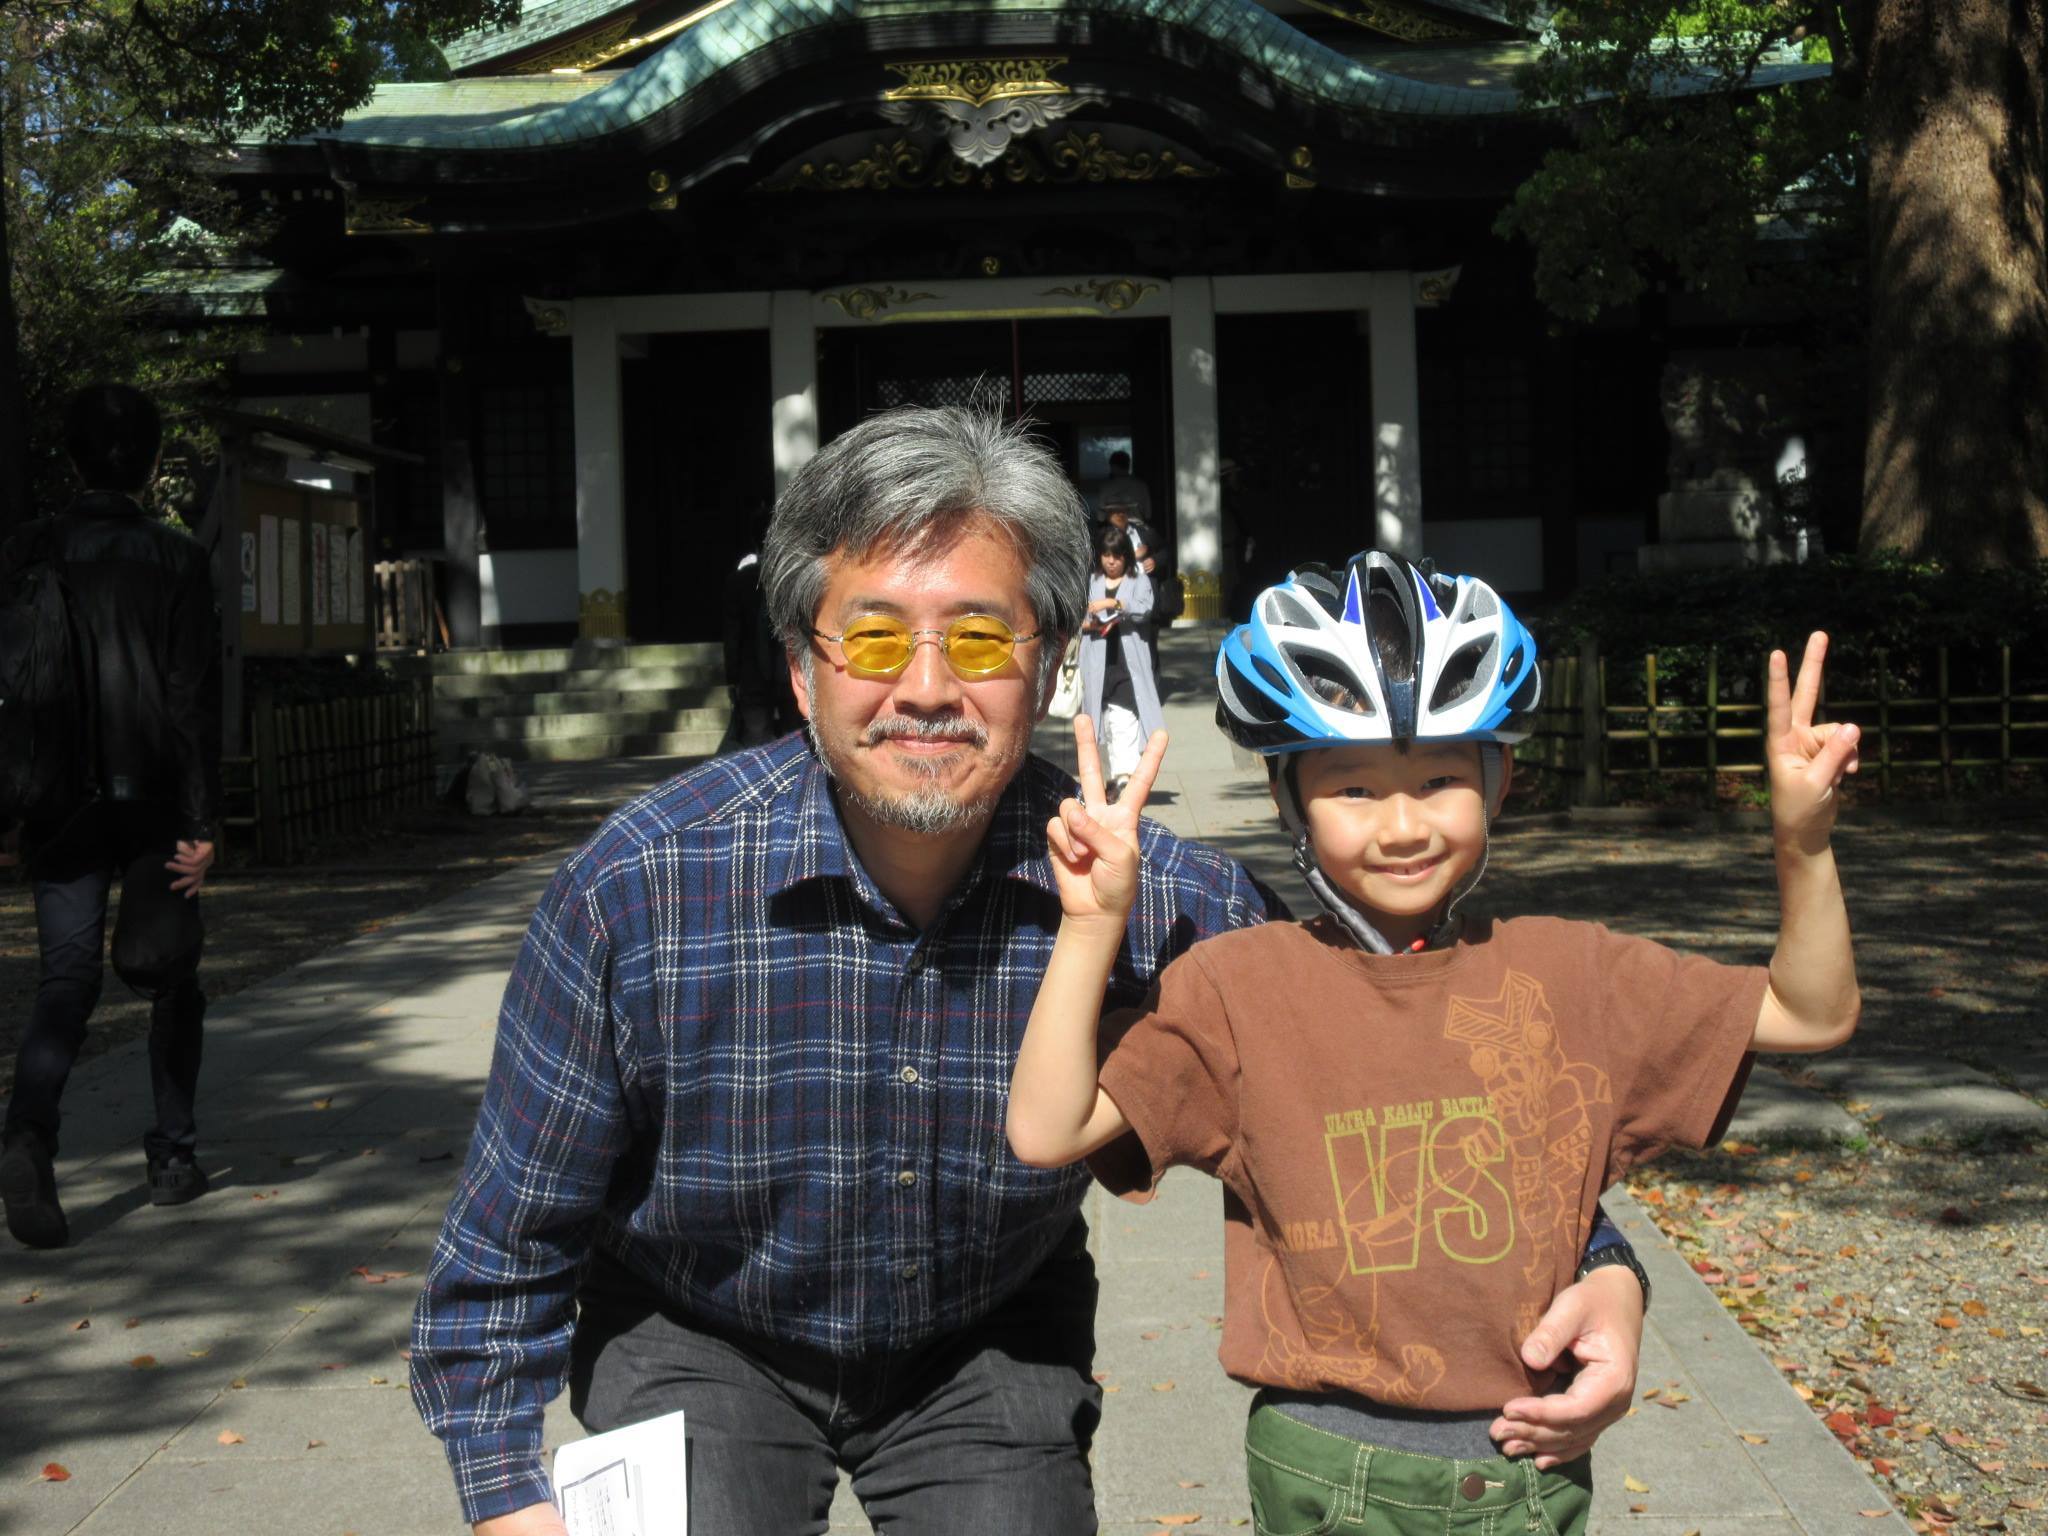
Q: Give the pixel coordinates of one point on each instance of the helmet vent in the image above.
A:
(1460, 675)
(1330, 684)
(1248, 701)
(1282, 609)
(1484, 604)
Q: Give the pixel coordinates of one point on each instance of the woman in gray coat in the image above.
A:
(1118, 691)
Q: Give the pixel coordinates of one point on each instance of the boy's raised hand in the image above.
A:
(1806, 760)
(1094, 844)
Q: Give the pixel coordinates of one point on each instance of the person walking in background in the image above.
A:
(1119, 690)
(147, 802)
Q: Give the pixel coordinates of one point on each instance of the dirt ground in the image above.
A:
(260, 921)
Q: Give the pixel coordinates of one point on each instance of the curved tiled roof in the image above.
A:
(1295, 62)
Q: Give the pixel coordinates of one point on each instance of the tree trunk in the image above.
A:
(1956, 463)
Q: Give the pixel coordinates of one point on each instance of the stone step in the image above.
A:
(585, 701)
(492, 730)
(709, 674)
(591, 748)
(584, 655)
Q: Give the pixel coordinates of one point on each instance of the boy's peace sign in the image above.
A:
(1806, 761)
(1094, 844)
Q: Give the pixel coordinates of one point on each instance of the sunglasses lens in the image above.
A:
(876, 645)
(978, 644)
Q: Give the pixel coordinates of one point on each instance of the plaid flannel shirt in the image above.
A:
(726, 1059)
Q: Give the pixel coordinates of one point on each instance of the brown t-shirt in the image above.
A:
(1411, 1146)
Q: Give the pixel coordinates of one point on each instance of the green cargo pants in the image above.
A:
(1306, 1481)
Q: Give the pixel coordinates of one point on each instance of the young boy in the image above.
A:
(1412, 1116)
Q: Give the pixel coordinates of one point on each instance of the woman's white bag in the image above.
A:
(1066, 698)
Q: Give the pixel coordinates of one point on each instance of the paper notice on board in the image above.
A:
(248, 572)
(267, 583)
(318, 534)
(629, 1482)
(288, 572)
(337, 576)
(357, 609)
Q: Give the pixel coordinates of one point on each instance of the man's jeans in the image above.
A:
(986, 1430)
(157, 940)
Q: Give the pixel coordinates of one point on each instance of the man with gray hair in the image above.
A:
(742, 1148)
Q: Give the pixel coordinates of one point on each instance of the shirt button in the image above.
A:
(910, 1271)
(906, 1178)
(908, 1074)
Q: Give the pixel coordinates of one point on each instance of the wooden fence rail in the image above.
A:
(319, 773)
(1689, 719)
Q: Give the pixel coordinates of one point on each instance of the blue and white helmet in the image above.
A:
(1385, 652)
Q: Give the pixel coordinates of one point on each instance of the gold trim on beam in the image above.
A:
(870, 303)
(1115, 294)
(609, 44)
(382, 216)
(908, 164)
(1393, 18)
(977, 82)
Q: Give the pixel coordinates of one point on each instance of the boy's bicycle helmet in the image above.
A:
(1387, 652)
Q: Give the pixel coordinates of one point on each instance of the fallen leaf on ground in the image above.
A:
(237, 1384)
(323, 1103)
(314, 1445)
(229, 1437)
(133, 1322)
(35, 1295)
(83, 1322)
(1148, 1337)
(1162, 1386)
(1639, 1509)
(1173, 1519)
(1975, 1308)
(54, 1472)
(1186, 1484)
(1632, 1485)
(1948, 1320)
(143, 1363)
(1757, 1439)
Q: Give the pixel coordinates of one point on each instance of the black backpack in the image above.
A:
(47, 690)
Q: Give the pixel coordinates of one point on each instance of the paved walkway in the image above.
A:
(237, 1365)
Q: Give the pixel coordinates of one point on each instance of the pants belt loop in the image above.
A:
(1361, 1479)
(1532, 1486)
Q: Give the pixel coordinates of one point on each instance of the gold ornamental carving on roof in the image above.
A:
(383, 216)
(587, 52)
(1398, 19)
(975, 82)
(1113, 294)
(907, 164)
(871, 303)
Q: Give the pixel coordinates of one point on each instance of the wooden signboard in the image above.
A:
(304, 582)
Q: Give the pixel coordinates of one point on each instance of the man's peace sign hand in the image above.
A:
(1095, 844)
(1806, 760)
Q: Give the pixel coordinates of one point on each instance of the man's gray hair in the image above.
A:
(910, 479)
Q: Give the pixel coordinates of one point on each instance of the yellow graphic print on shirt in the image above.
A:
(1457, 1176)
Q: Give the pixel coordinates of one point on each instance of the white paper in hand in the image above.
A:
(629, 1482)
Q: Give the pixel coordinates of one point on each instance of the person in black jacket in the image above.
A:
(143, 593)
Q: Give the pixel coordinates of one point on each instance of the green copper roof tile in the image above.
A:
(1479, 82)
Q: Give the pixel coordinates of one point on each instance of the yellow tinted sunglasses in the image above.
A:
(878, 645)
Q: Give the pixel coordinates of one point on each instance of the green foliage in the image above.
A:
(109, 112)
(1680, 162)
(218, 68)
(1865, 603)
